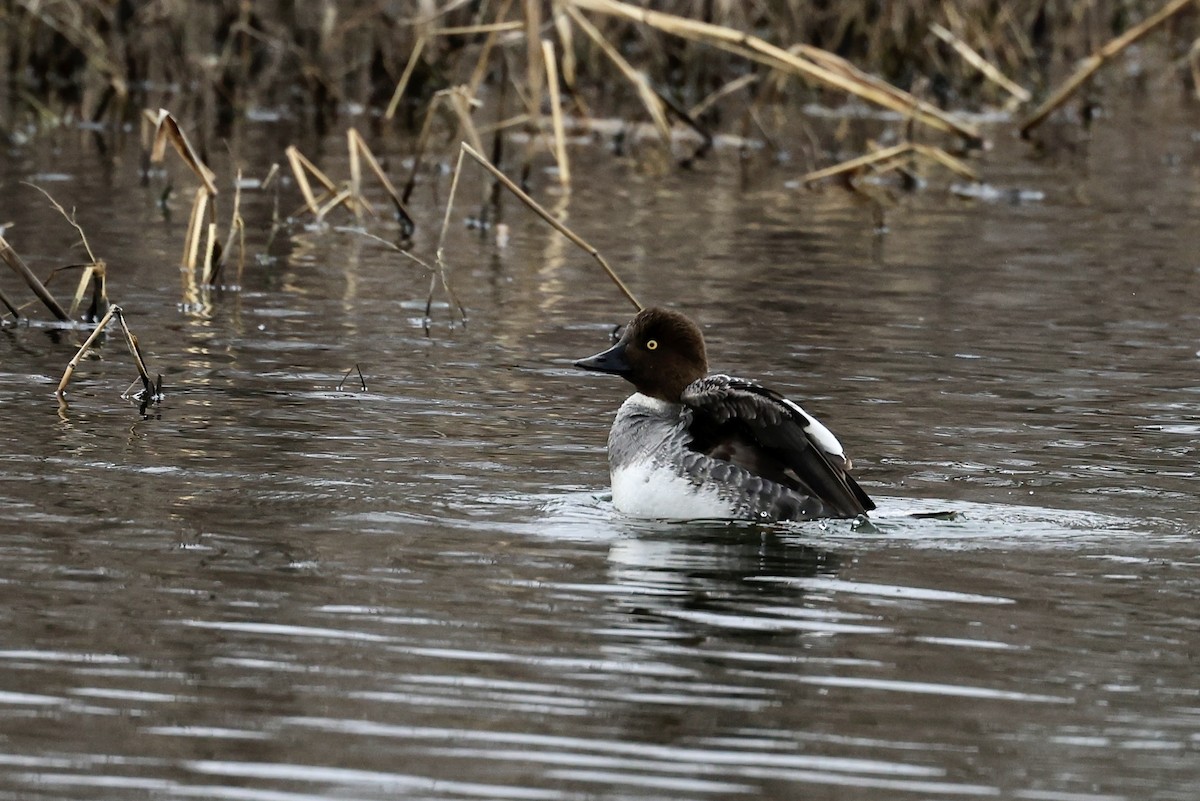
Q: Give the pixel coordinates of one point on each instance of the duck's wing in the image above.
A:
(760, 430)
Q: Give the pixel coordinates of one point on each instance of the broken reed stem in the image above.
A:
(301, 169)
(885, 159)
(556, 117)
(358, 147)
(93, 275)
(1094, 62)
(439, 254)
(980, 63)
(764, 52)
(562, 26)
(167, 129)
(136, 350)
(87, 343)
(20, 268)
(535, 69)
(130, 340)
(554, 223)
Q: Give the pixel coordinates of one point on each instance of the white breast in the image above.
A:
(647, 490)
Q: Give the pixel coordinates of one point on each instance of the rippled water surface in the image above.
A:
(277, 587)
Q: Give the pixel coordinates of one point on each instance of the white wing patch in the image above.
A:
(821, 435)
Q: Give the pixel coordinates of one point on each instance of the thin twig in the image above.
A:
(69, 218)
(433, 271)
(537, 209)
(556, 117)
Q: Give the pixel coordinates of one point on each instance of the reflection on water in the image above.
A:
(271, 588)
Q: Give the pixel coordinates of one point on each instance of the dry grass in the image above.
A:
(209, 62)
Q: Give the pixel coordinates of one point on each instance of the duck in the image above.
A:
(687, 445)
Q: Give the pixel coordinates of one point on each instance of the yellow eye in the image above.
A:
(652, 344)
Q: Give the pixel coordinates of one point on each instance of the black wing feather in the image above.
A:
(759, 430)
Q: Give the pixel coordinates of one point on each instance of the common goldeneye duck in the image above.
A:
(688, 445)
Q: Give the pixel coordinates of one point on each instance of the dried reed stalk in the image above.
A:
(535, 70)
(154, 390)
(191, 241)
(130, 340)
(358, 147)
(977, 61)
(210, 253)
(237, 231)
(492, 30)
(422, 143)
(562, 26)
(405, 76)
(888, 158)
(489, 44)
(95, 276)
(18, 266)
(537, 209)
(166, 129)
(1094, 62)
(462, 103)
(650, 99)
(344, 196)
(301, 169)
(556, 117)
(773, 56)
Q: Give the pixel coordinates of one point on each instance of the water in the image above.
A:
(273, 588)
